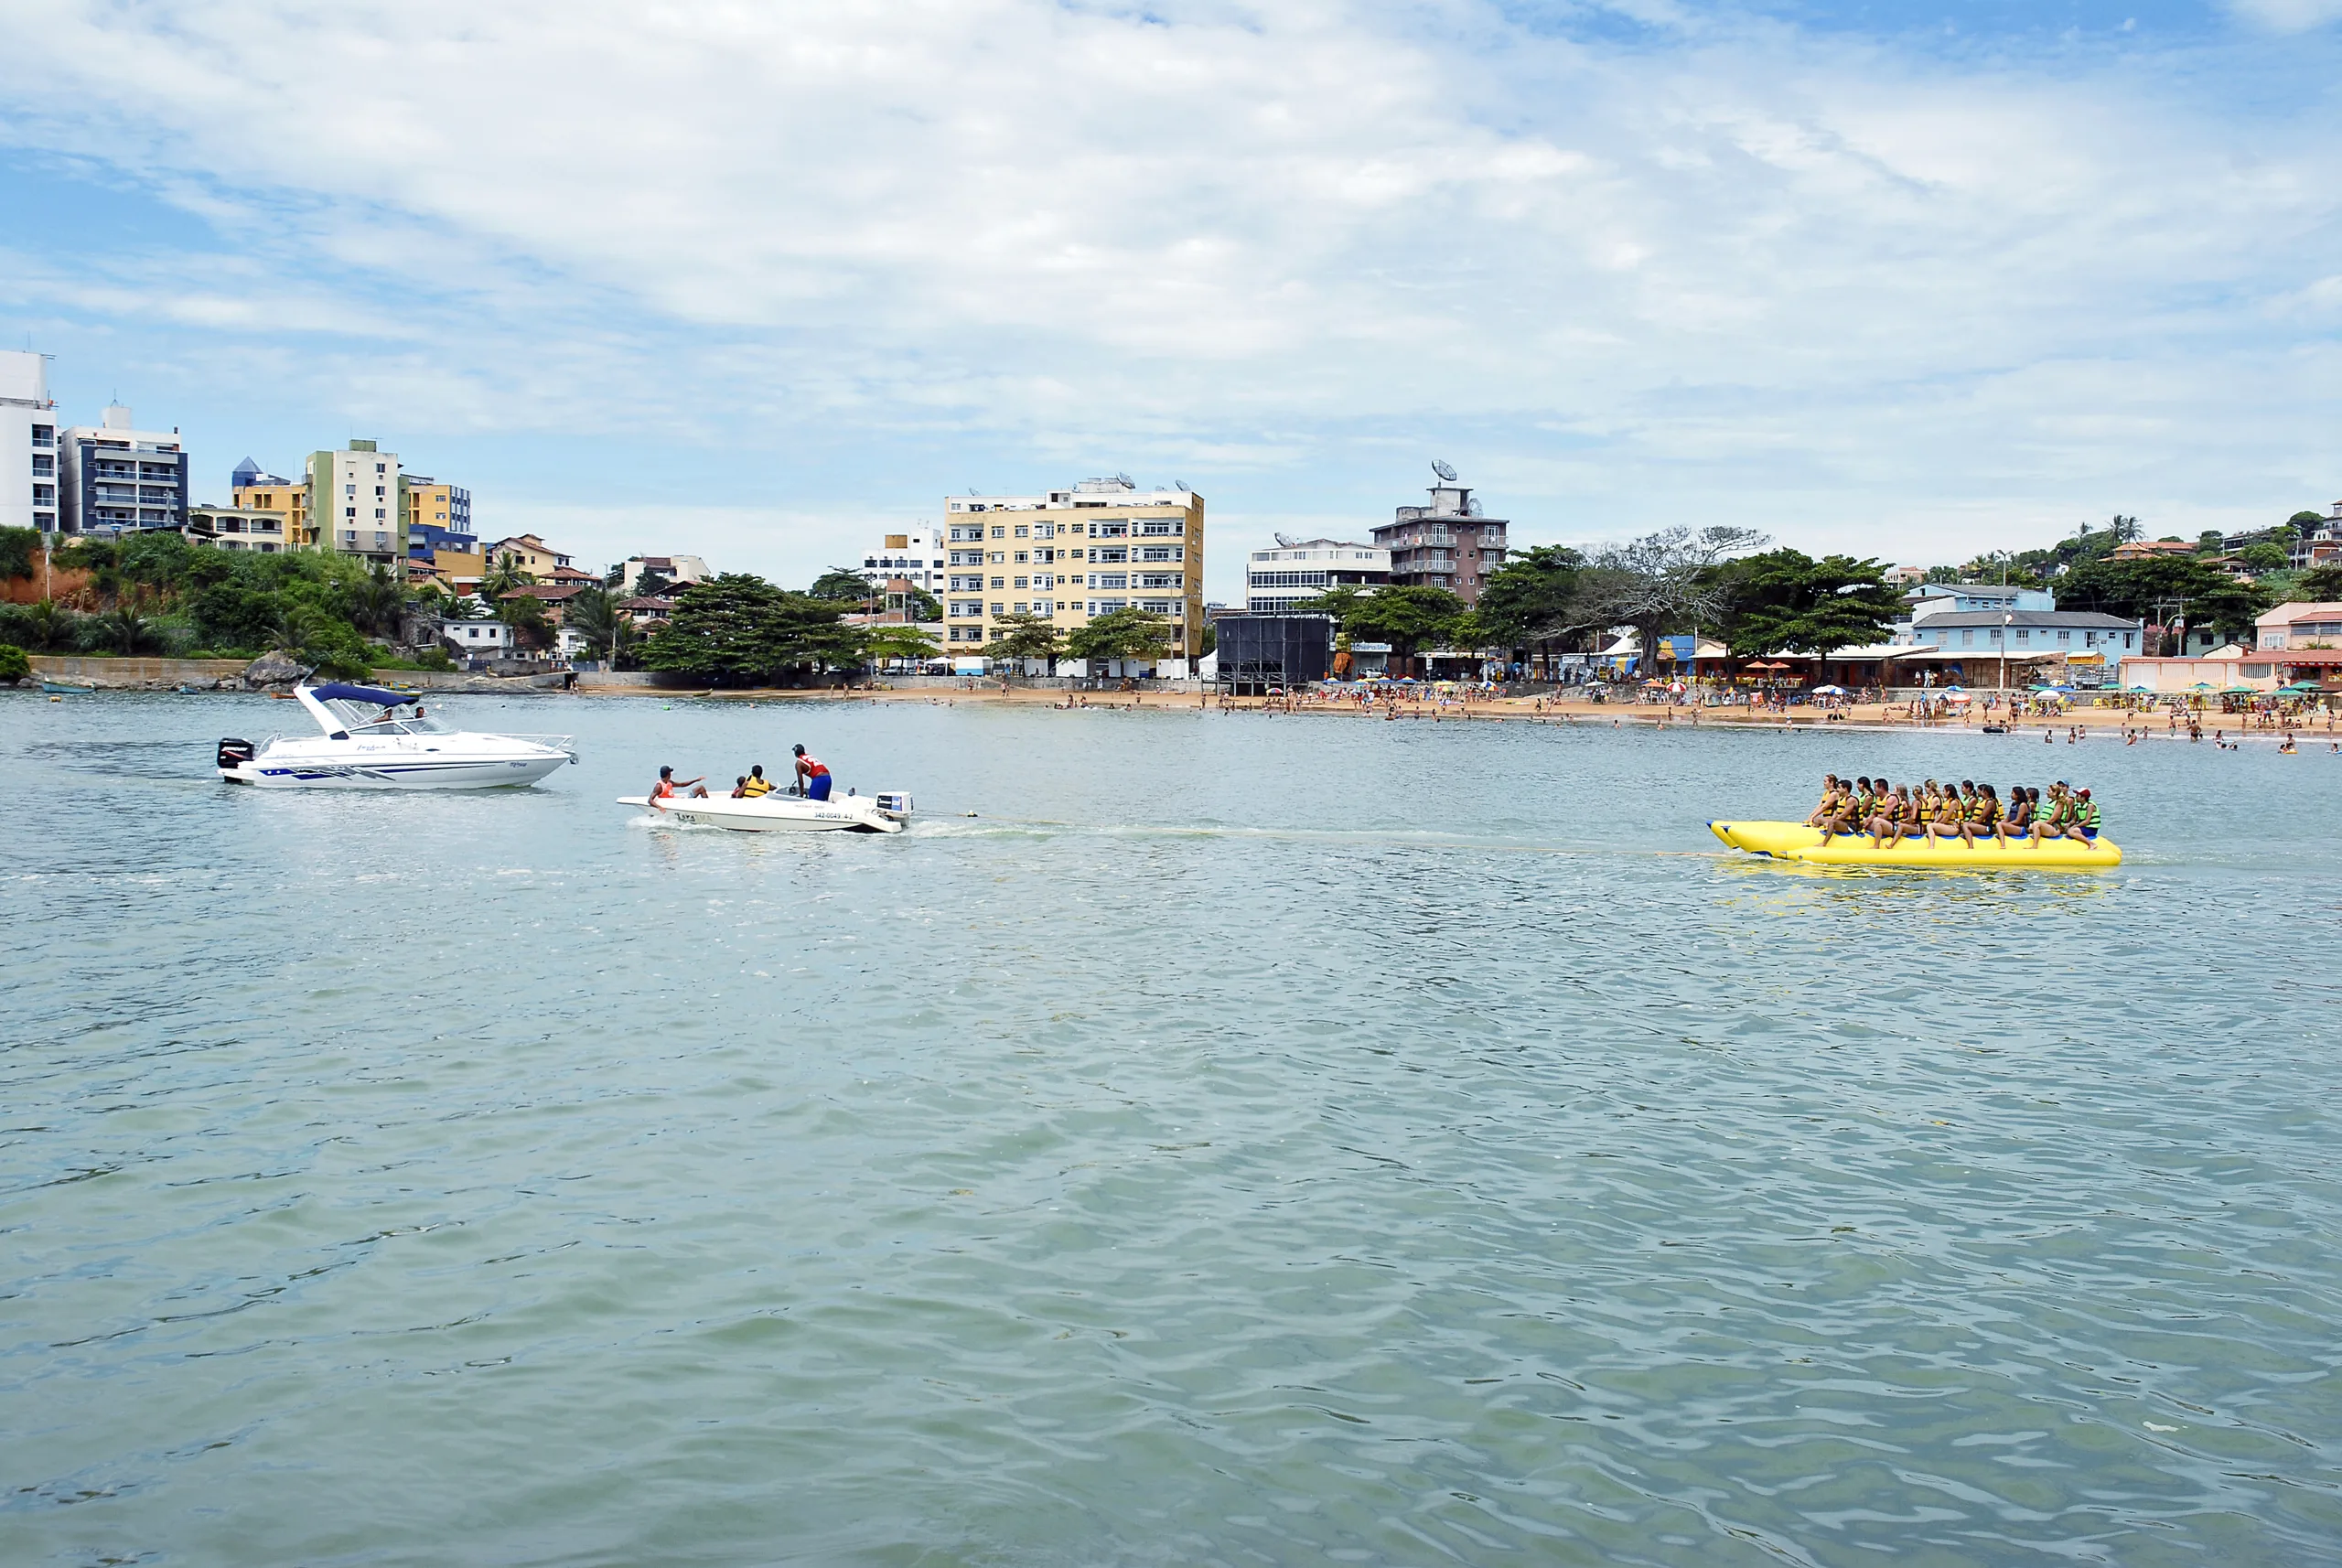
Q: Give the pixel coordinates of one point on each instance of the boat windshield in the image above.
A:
(365, 718)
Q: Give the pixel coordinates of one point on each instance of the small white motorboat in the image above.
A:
(777, 812)
(367, 742)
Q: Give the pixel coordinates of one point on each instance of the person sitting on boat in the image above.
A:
(2050, 821)
(2017, 818)
(1824, 812)
(1949, 819)
(740, 788)
(755, 786)
(1885, 822)
(668, 784)
(813, 777)
(2082, 823)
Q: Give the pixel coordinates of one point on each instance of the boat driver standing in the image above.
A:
(812, 776)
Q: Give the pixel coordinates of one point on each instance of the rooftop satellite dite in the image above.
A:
(1442, 471)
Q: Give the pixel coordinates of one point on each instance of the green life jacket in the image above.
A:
(2087, 816)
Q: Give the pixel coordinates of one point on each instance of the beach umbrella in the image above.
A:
(1829, 690)
(2237, 692)
(2300, 686)
(1958, 697)
(1954, 688)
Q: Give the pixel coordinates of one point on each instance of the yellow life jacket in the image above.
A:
(758, 787)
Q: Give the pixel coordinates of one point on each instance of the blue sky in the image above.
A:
(762, 281)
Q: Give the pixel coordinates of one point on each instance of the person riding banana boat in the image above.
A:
(1876, 821)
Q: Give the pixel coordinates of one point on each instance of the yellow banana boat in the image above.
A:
(1795, 841)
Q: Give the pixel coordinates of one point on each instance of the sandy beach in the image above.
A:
(2086, 722)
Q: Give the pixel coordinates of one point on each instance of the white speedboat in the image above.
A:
(777, 812)
(369, 741)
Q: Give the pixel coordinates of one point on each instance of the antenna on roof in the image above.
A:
(1442, 471)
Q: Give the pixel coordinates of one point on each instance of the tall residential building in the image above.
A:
(915, 557)
(354, 502)
(432, 503)
(1448, 544)
(1298, 571)
(1071, 555)
(116, 478)
(27, 443)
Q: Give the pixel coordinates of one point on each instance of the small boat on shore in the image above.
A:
(882, 813)
(56, 688)
(1795, 841)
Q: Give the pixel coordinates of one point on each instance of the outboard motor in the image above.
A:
(893, 803)
(234, 753)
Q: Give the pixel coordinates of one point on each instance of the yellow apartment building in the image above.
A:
(1073, 554)
(288, 500)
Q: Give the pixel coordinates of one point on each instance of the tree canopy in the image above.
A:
(1533, 596)
(2160, 588)
(842, 585)
(737, 630)
(1785, 600)
(1023, 636)
(1131, 633)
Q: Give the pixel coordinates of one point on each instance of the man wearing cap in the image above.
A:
(668, 784)
(812, 776)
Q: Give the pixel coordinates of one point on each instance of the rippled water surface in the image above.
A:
(1243, 1140)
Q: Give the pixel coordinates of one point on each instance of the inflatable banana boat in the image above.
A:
(1795, 841)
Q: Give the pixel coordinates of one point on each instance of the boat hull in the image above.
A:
(1795, 841)
(276, 770)
(776, 813)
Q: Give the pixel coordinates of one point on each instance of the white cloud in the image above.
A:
(1756, 269)
(2288, 16)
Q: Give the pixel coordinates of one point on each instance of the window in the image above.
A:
(1000, 533)
(1023, 583)
(1044, 607)
(1159, 552)
(1160, 580)
(350, 514)
(1111, 530)
(996, 557)
(2022, 634)
(1044, 581)
(2127, 636)
(1022, 555)
(381, 467)
(349, 493)
(999, 583)
(1159, 525)
(1109, 580)
(1045, 556)
(1968, 639)
(998, 609)
(1073, 554)
(1022, 532)
(2065, 635)
(1045, 530)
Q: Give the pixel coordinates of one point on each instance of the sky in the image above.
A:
(761, 280)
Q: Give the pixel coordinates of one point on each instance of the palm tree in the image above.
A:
(127, 631)
(377, 601)
(594, 616)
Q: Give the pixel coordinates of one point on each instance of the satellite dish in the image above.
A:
(1442, 471)
(1287, 541)
(1181, 486)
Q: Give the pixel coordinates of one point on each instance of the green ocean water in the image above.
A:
(1244, 1139)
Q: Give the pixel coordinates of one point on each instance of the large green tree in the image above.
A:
(737, 630)
(1783, 600)
(2319, 585)
(841, 584)
(1407, 616)
(1133, 634)
(2161, 587)
(1022, 636)
(1532, 597)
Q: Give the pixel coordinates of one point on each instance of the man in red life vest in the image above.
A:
(812, 776)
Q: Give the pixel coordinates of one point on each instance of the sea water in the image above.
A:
(1204, 1138)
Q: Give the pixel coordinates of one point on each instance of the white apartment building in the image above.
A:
(117, 479)
(1071, 554)
(354, 502)
(917, 557)
(674, 568)
(1299, 570)
(27, 443)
